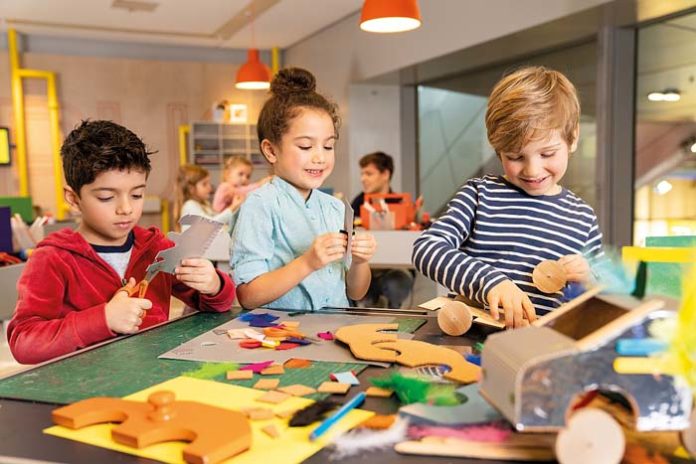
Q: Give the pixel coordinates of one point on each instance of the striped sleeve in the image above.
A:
(437, 253)
(593, 247)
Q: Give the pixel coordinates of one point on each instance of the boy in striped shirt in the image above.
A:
(498, 228)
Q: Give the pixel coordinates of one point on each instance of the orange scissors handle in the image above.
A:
(138, 289)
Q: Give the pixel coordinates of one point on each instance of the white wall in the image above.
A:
(342, 55)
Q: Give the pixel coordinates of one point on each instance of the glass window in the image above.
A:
(665, 153)
(453, 146)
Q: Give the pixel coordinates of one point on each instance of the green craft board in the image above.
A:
(666, 278)
(130, 364)
(20, 205)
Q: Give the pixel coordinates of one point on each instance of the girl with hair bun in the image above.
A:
(287, 247)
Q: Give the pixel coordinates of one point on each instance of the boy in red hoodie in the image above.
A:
(69, 294)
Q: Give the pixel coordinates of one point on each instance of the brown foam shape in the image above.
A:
(361, 339)
(413, 353)
(215, 433)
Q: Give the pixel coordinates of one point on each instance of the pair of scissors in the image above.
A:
(140, 288)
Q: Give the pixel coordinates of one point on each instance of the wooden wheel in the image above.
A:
(454, 318)
(591, 435)
(688, 436)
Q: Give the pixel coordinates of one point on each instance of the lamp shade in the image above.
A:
(253, 74)
(386, 16)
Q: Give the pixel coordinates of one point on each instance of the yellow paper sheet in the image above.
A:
(291, 446)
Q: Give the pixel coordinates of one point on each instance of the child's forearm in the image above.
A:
(358, 280)
(272, 285)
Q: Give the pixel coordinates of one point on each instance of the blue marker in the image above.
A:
(356, 401)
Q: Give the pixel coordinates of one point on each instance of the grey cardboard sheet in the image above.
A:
(216, 346)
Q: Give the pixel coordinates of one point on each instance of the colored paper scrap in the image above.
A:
(256, 367)
(345, 377)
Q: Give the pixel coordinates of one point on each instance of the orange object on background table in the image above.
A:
(400, 204)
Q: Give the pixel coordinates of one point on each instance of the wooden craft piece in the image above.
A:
(297, 390)
(275, 369)
(215, 434)
(273, 397)
(591, 435)
(267, 384)
(379, 392)
(334, 387)
(438, 446)
(549, 276)
(413, 353)
(239, 375)
(454, 318)
(271, 430)
(361, 339)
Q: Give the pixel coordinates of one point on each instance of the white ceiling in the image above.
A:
(213, 23)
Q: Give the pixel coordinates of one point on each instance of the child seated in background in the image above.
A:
(193, 196)
(70, 294)
(235, 185)
(498, 228)
(287, 249)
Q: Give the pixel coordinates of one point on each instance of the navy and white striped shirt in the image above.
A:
(493, 231)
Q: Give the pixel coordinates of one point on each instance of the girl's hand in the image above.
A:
(237, 201)
(199, 274)
(513, 301)
(125, 314)
(363, 247)
(326, 249)
(576, 268)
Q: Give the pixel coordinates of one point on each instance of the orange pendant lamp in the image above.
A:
(385, 16)
(253, 75)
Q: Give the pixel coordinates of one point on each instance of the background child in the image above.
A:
(68, 294)
(287, 251)
(235, 185)
(193, 196)
(497, 229)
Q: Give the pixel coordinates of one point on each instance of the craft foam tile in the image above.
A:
(334, 387)
(345, 377)
(290, 324)
(239, 375)
(378, 392)
(271, 430)
(273, 397)
(275, 369)
(297, 363)
(286, 414)
(267, 384)
(237, 334)
(261, 414)
(290, 447)
(297, 390)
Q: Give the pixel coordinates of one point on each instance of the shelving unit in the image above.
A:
(211, 143)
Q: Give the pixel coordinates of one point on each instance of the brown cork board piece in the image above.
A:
(240, 375)
(275, 369)
(377, 392)
(273, 397)
(297, 390)
(267, 384)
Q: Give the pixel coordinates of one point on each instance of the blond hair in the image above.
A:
(529, 103)
(236, 160)
(189, 175)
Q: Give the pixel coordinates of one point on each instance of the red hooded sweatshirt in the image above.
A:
(65, 286)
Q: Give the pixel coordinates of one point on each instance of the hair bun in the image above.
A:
(293, 80)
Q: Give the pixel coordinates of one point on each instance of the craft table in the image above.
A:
(129, 364)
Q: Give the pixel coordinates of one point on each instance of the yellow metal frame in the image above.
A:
(659, 254)
(16, 75)
(184, 131)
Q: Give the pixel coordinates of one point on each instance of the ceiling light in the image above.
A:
(385, 16)
(663, 187)
(692, 148)
(667, 95)
(253, 75)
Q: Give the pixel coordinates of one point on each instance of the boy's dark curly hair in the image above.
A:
(99, 146)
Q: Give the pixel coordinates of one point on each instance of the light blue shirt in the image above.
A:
(275, 226)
